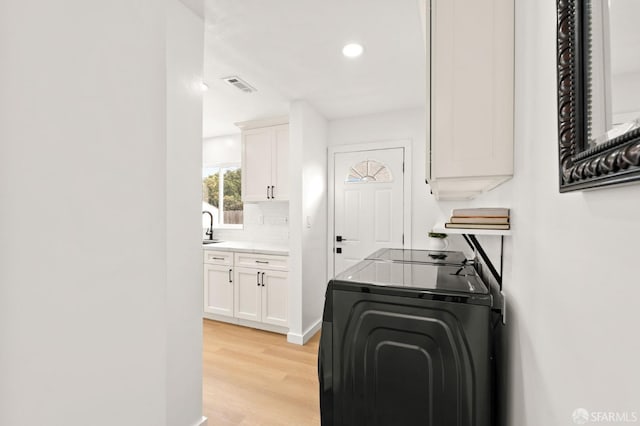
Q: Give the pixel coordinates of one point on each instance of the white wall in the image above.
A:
(85, 318)
(393, 126)
(308, 212)
(573, 286)
(221, 150)
(571, 263)
(314, 216)
(266, 222)
(185, 47)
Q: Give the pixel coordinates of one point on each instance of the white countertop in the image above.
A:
(249, 247)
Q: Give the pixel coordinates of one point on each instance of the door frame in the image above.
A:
(406, 185)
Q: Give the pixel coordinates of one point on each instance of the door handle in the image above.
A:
(340, 238)
(230, 280)
(263, 279)
(268, 198)
(258, 278)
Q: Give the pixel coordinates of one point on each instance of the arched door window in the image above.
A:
(369, 171)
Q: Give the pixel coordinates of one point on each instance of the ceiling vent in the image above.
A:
(239, 83)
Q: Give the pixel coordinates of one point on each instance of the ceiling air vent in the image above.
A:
(239, 83)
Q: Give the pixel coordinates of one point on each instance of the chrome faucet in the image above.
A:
(210, 230)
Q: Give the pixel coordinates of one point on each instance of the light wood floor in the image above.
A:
(254, 377)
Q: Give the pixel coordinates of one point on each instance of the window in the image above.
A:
(369, 171)
(223, 183)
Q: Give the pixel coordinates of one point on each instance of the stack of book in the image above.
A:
(479, 218)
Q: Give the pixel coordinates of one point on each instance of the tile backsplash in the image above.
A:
(264, 222)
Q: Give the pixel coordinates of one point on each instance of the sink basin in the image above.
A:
(211, 241)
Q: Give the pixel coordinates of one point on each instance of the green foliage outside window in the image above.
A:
(210, 189)
(232, 190)
(232, 193)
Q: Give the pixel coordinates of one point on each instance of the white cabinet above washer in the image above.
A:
(470, 45)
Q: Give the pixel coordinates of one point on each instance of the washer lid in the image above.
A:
(419, 256)
(437, 278)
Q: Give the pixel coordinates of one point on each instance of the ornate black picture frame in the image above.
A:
(614, 162)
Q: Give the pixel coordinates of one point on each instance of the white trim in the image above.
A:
(254, 124)
(237, 164)
(301, 339)
(401, 143)
(245, 323)
(202, 422)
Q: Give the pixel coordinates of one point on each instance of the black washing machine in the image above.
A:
(407, 339)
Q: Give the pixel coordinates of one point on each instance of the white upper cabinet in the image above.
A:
(280, 170)
(470, 44)
(256, 164)
(265, 160)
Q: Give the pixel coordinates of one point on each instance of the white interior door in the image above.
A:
(368, 204)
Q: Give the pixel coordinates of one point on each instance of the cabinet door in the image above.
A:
(247, 293)
(256, 164)
(472, 82)
(280, 177)
(471, 98)
(218, 290)
(275, 305)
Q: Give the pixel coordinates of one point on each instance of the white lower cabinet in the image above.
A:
(218, 283)
(248, 294)
(261, 295)
(275, 306)
(248, 289)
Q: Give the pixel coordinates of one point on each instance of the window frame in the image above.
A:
(221, 168)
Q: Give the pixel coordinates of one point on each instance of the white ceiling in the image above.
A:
(291, 50)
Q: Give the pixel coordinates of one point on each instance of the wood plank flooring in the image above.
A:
(253, 377)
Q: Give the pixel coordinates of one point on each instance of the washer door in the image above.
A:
(404, 361)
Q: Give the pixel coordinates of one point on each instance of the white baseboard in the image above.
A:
(301, 339)
(202, 422)
(246, 323)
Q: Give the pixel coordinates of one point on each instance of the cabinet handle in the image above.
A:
(258, 278)
(268, 198)
(262, 261)
(230, 280)
(217, 258)
(273, 197)
(263, 279)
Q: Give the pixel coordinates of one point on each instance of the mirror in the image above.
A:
(598, 93)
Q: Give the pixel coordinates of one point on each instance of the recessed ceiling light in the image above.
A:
(352, 50)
